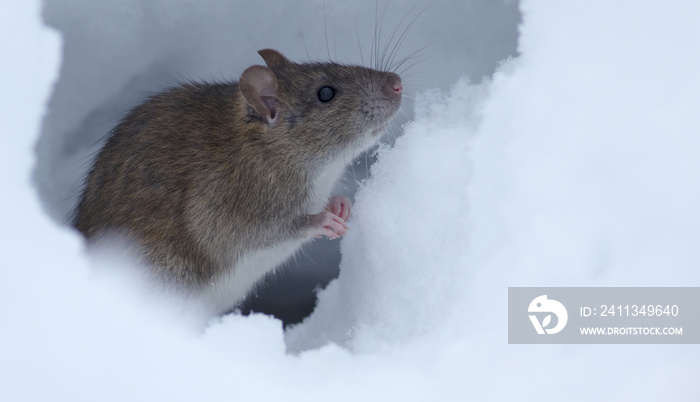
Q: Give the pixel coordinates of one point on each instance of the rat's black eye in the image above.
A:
(325, 94)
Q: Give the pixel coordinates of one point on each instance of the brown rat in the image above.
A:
(220, 183)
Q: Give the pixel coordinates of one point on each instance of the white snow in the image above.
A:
(576, 164)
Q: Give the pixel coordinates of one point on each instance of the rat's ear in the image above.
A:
(273, 57)
(258, 85)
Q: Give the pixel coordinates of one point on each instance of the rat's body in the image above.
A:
(218, 184)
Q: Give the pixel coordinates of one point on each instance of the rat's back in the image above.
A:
(139, 182)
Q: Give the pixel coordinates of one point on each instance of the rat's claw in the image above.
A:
(328, 224)
(340, 206)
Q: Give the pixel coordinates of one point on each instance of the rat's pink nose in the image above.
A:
(393, 87)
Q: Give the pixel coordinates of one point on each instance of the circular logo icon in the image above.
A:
(543, 305)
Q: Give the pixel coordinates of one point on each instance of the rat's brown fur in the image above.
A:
(199, 178)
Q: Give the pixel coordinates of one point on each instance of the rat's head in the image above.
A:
(328, 107)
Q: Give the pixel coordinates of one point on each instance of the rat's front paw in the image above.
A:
(340, 206)
(328, 224)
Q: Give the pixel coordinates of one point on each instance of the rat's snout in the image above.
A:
(393, 87)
